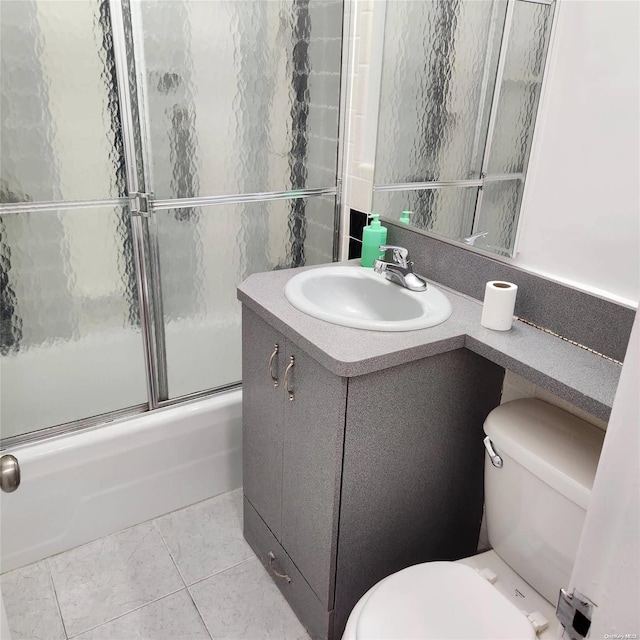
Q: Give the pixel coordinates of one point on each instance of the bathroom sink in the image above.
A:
(360, 298)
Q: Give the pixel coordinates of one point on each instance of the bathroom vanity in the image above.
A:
(363, 450)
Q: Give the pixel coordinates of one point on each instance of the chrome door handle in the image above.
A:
(496, 460)
(290, 366)
(9, 473)
(276, 349)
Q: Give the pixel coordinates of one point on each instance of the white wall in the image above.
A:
(580, 221)
(607, 567)
(581, 211)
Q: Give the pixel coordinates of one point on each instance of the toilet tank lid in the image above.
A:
(556, 446)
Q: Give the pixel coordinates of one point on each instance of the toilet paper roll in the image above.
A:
(499, 303)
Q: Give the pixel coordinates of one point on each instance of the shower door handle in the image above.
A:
(9, 473)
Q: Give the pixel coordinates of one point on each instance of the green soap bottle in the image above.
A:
(372, 237)
(405, 218)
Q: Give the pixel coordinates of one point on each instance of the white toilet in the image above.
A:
(535, 506)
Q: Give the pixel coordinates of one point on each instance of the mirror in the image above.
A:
(459, 88)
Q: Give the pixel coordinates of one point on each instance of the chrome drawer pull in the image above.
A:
(276, 349)
(290, 366)
(284, 576)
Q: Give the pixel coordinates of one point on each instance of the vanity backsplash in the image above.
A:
(592, 322)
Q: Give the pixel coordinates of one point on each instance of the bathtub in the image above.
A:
(83, 486)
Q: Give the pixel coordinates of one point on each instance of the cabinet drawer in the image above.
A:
(300, 596)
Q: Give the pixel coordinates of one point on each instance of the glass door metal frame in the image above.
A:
(149, 231)
(143, 207)
(136, 200)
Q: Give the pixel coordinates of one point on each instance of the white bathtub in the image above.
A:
(83, 486)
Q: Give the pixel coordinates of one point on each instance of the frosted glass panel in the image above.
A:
(205, 252)
(499, 214)
(70, 338)
(60, 136)
(242, 96)
(520, 88)
(447, 211)
(515, 120)
(439, 67)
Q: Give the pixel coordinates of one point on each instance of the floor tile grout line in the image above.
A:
(115, 533)
(190, 584)
(152, 527)
(185, 588)
(284, 637)
(126, 613)
(206, 628)
(207, 578)
(217, 573)
(154, 524)
(166, 546)
(155, 527)
(55, 595)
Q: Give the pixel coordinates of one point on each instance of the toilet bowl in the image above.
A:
(536, 496)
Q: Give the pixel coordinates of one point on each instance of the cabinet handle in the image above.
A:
(284, 576)
(286, 377)
(276, 349)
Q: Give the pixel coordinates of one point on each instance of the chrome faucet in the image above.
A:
(472, 239)
(400, 270)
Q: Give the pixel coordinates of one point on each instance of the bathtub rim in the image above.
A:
(197, 444)
(111, 418)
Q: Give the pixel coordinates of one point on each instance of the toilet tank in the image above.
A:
(536, 502)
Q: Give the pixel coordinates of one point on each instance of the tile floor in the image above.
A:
(185, 575)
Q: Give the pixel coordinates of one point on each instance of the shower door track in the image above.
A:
(103, 419)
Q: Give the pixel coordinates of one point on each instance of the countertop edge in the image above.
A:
(351, 369)
(595, 399)
(572, 395)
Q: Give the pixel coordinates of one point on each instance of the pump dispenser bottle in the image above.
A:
(373, 236)
(405, 218)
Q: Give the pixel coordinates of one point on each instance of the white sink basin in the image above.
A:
(360, 298)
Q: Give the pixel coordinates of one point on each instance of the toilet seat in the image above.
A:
(440, 600)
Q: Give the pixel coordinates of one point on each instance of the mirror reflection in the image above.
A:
(459, 91)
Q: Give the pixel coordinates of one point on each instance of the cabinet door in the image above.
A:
(313, 440)
(412, 484)
(262, 418)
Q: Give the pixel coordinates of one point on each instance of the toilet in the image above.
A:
(540, 462)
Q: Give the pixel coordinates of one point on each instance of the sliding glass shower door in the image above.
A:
(70, 338)
(154, 154)
(242, 103)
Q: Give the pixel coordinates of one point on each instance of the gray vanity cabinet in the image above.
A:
(356, 478)
(262, 419)
(312, 459)
(292, 450)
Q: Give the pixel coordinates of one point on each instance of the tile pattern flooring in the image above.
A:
(185, 575)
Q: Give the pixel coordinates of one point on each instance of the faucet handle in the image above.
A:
(400, 254)
(472, 239)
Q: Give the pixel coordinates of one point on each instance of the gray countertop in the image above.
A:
(579, 376)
